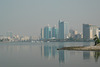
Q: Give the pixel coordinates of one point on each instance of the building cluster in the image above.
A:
(10, 37)
(74, 35)
(62, 32)
(49, 33)
(57, 33)
(89, 31)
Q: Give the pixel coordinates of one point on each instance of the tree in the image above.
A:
(96, 39)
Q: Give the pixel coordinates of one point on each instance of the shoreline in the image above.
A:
(81, 48)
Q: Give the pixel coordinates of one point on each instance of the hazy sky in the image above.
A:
(26, 17)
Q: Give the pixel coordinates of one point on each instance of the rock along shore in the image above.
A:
(82, 48)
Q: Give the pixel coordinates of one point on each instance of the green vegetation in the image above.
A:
(97, 40)
(3, 40)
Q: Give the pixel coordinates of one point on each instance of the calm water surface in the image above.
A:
(27, 54)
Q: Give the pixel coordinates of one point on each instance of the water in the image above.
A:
(27, 54)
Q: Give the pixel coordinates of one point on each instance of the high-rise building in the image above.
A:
(63, 31)
(42, 33)
(47, 32)
(89, 31)
(54, 32)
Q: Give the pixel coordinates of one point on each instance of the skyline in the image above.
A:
(27, 17)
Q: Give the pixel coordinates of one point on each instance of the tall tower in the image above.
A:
(54, 32)
(86, 32)
(63, 30)
(42, 33)
(47, 32)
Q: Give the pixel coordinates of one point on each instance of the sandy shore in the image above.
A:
(82, 48)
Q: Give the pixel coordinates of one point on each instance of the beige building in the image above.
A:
(25, 38)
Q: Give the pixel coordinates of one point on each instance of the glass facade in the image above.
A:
(63, 30)
(54, 32)
(47, 32)
(42, 33)
(86, 33)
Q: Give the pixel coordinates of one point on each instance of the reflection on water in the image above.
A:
(86, 55)
(97, 55)
(64, 55)
(46, 55)
(51, 51)
(61, 54)
(54, 51)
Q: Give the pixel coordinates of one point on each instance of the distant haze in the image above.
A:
(27, 17)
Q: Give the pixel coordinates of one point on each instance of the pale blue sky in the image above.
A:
(26, 17)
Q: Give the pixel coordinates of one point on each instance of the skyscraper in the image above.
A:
(42, 33)
(47, 32)
(54, 32)
(89, 31)
(63, 30)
